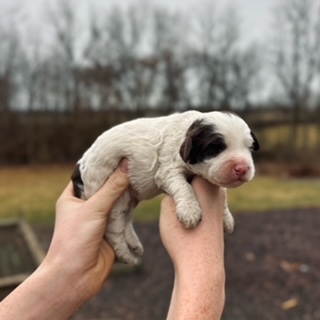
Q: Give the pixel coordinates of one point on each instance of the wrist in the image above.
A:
(58, 290)
(66, 281)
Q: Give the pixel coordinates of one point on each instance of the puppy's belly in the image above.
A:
(142, 180)
(145, 191)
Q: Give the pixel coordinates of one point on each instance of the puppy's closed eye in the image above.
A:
(201, 142)
(215, 148)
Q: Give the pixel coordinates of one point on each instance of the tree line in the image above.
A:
(145, 58)
(138, 57)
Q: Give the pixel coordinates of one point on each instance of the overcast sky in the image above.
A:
(256, 14)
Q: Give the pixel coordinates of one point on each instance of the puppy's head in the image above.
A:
(218, 147)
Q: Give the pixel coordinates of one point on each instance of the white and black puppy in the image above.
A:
(163, 153)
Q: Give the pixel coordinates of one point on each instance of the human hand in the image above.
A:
(78, 261)
(181, 242)
(78, 242)
(197, 255)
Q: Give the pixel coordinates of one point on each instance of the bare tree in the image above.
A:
(296, 55)
(226, 68)
(101, 73)
(117, 51)
(9, 58)
(63, 62)
(169, 42)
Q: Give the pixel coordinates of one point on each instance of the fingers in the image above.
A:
(67, 196)
(68, 191)
(103, 200)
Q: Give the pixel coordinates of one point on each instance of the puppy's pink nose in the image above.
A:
(240, 169)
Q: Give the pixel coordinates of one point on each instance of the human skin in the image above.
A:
(197, 256)
(79, 259)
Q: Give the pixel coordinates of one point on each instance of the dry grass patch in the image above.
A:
(269, 193)
(32, 192)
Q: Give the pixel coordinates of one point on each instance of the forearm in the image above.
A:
(198, 295)
(197, 255)
(46, 294)
(199, 287)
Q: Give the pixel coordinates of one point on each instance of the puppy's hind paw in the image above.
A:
(137, 250)
(121, 249)
(133, 241)
(124, 254)
(128, 259)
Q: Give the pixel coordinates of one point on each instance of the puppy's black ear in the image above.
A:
(255, 144)
(185, 148)
(201, 142)
(77, 181)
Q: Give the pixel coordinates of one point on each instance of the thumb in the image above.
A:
(103, 200)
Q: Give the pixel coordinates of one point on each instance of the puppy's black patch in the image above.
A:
(201, 142)
(255, 145)
(77, 181)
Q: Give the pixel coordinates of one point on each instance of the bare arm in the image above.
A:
(79, 259)
(197, 256)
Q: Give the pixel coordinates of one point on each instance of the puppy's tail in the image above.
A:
(76, 179)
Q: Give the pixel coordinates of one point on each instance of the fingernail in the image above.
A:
(124, 165)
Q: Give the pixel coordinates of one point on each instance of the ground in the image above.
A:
(272, 267)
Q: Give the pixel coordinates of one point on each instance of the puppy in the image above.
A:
(163, 154)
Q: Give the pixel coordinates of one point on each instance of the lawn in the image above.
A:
(31, 192)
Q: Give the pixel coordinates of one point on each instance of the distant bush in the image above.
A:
(61, 137)
(52, 137)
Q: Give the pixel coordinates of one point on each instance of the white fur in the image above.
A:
(152, 147)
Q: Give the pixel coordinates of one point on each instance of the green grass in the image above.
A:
(266, 193)
(261, 194)
(32, 192)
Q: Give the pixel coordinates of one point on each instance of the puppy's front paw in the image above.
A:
(189, 214)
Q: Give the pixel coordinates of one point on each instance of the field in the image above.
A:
(308, 136)
(31, 192)
(271, 261)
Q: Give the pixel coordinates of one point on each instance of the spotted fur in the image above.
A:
(163, 154)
